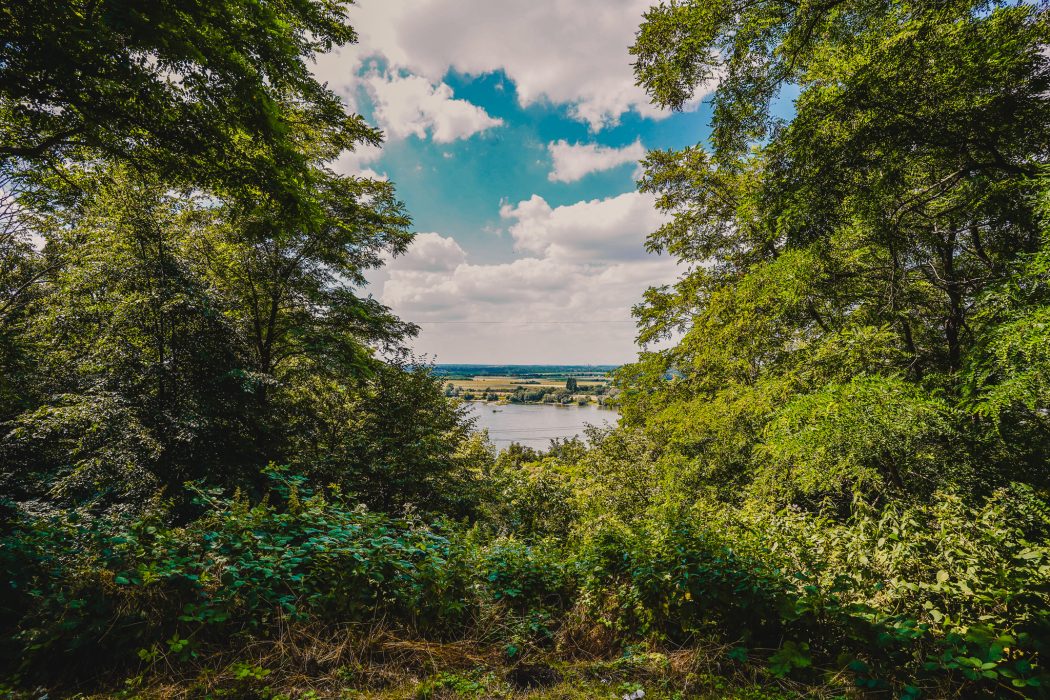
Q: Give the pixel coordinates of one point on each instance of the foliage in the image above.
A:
(206, 94)
(835, 469)
(171, 344)
(193, 280)
(394, 439)
(860, 357)
(678, 579)
(873, 434)
(529, 494)
(845, 312)
(238, 568)
(905, 596)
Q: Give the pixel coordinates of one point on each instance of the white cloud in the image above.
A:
(568, 299)
(410, 104)
(574, 161)
(431, 252)
(596, 230)
(571, 52)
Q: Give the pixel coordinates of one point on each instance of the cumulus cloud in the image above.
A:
(431, 252)
(596, 230)
(571, 52)
(572, 162)
(410, 104)
(567, 299)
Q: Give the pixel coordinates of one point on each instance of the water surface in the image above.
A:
(535, 425)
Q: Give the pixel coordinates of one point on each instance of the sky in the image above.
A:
(513, 132)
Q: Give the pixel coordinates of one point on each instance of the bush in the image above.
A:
(936, 596)
(909, 597)
(674, 579)
(526, 576)
(238, 568)
(115, 590)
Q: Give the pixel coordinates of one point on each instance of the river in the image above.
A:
(535, 425)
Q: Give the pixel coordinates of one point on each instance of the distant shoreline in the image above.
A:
(541, 403)
(520, 370)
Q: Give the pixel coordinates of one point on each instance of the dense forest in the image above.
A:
(222, 473)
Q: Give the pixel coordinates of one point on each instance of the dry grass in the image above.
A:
(371, 661)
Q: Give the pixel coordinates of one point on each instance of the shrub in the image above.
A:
(673, 578)
(111, 587)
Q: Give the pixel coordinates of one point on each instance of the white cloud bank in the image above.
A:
(568, 299)
(571, 52)
(572, 162)
(411, 105)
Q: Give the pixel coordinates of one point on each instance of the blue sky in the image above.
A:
(457, 188)
(513, 134)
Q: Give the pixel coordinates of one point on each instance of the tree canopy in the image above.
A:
(181, 269)
(211, 95)
(842, 263)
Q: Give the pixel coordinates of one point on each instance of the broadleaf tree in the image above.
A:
(857, 239)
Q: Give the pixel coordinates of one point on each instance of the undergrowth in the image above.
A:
(304, 589)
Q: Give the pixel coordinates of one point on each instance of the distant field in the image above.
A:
(525, 371)
(505, 379)
(509, 383)
(512, 383)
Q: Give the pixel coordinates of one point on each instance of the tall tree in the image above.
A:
(22, 272)
(201, 259)
(837, 258)
(288, 283)
(177, 337)
(141, 383)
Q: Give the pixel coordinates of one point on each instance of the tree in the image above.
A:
(207, 94)
(852, 242)
(570, 384)
(1007, 374)
(288, 284)
(140, 381)
(176, 158)
(22, 270)
(176, 337)
(390, 440)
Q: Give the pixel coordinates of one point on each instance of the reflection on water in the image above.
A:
(536, 425)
